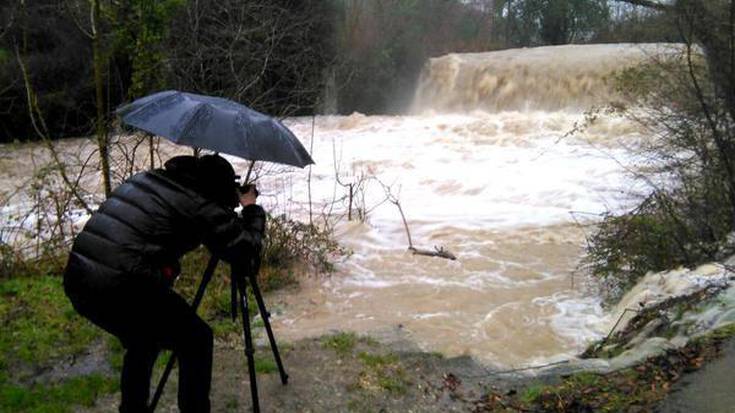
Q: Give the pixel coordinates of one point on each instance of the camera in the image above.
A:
(244, 189)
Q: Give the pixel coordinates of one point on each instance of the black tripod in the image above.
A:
(239, 284)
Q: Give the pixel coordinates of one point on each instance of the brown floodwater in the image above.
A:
(499, 183)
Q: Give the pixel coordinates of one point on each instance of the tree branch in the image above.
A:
(39, 124)
(649, 4)
(440, 252)
(9, 25)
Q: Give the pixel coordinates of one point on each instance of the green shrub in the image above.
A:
(687, 164)
(288, 242)
(666, 231)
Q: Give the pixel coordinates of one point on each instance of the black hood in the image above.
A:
(210, 175)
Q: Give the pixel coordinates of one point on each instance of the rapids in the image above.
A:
(500, 190)
(486, 168)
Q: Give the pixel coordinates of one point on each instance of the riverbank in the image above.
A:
(52, 360)
(344, 372)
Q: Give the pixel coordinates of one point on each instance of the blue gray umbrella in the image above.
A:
(216, 124)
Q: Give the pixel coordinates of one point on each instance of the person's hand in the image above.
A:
(249, 198)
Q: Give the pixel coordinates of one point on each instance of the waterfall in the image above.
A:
(551, 78)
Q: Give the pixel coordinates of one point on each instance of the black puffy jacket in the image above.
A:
(148, 223)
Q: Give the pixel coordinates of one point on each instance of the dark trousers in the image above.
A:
(147, 319)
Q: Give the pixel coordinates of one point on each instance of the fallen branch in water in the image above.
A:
(437, 252)
(440, 252)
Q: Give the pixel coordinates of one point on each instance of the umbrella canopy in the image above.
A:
(216, 124)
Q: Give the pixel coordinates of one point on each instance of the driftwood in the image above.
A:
(437, 252)
(440, 252)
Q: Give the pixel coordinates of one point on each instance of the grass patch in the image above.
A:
(382, 372)
(265, 365)
(393, 384)
(116, 353)
(58, 398)
(224, 327)
(39, 327)
(342, 343)
(721, 333)
(39, 323)
(377, 360)
(532, 393)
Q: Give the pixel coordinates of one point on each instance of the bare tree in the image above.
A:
(687, 103)
(711, 24)
(264, 54)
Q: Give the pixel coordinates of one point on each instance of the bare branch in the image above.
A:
(76, 21)
(7, 27)
(440, 252)
(649, 4)
(40, 126)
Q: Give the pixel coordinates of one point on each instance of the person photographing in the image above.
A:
(123, 264)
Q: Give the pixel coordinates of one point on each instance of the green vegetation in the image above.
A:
(532, 393)
(382, 371)
(265, 365)
(342, 343)
(39, 322)
(555, 21)
(57, 398)
(117, 351)
(686, 99)
(377, 360)
(638, 388)
(232, 404)
(40, 329)
(289, 244)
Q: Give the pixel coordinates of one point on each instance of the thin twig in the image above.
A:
(308, 177)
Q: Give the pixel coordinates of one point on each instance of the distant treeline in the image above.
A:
(283, 57)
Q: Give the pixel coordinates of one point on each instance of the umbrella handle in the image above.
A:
(250, 169)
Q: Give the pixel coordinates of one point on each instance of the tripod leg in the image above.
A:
(266, 322)
(208, 272)
(249, 350)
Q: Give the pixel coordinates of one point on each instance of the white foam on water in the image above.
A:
(495, 189)
(492, 188)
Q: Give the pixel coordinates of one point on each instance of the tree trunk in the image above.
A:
(99, 88)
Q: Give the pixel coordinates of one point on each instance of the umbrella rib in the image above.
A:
(197, 118)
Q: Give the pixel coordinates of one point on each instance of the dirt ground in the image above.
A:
(346, 373)
(327, 375)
